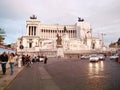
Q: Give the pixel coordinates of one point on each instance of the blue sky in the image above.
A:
(103, 15)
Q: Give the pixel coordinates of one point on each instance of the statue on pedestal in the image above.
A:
(59, 46)
(80, 19)
(59, 40)
(33, 17)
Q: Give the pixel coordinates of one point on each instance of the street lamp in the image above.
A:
(85, 36)
(103, 34)
(92, 41)
(21, 47)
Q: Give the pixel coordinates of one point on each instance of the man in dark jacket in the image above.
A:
(4, 60)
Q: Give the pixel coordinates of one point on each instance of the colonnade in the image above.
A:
(32, 30)
(46, 33)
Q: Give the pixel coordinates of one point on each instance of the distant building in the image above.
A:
(41, 38)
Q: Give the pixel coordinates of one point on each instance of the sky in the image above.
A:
(103, 15)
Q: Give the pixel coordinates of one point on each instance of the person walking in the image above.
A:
(23, 60)
(45, 60)
(19, 60)
(11, 61)
(28, 61)
(4, 60)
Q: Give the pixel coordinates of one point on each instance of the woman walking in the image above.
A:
(11, 61)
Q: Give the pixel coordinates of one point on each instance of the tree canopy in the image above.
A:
(2, 36)
(118, 42)
(115, 44)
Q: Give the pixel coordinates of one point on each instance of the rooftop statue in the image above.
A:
(33, 17)
(80, 19)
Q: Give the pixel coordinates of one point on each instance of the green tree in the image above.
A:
(9, 45)
(112, 45)
(2, 36)
(118, 42)
(115, 44)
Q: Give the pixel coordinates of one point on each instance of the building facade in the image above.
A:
(41, 38)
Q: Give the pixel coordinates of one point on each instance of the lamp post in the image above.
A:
(103, 34)
(85, 37)
(21, 47)
(92, 41)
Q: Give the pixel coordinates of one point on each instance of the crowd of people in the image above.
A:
(19, 60)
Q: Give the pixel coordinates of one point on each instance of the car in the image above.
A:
(85, 57)
(94, 58)
(113, 57)
(101, 57)
(41, 59)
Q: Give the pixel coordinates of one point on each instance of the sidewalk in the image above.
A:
(5, 80)
(46, 81)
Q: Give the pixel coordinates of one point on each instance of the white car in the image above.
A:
(113, 57)
(101, 57)
(94, 58)
(85, 57)
(41, 59)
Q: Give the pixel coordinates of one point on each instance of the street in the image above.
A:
(69, 74)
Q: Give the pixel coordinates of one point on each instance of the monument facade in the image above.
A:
(46, 38)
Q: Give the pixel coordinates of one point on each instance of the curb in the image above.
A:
(8, 79)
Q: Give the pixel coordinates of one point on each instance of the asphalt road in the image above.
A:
(69, 74)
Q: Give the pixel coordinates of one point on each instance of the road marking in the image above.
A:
(46, 80)
(44, 73)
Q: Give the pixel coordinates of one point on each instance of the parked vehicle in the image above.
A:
(85, 57)
(41, 59)
(94, 58)
(101, 57)
(113, 57)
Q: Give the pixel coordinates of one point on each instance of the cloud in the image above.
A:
(103, 15)
(13, 30)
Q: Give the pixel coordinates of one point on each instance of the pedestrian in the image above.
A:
(45, 60)
(23, 60)
(4, 60)
(19, 60)
(11, 61)
(28, 61)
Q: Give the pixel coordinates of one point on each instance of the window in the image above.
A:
(30, 45)
(34, 30)
(29, 29)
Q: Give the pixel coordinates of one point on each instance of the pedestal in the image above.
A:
(60, 52)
